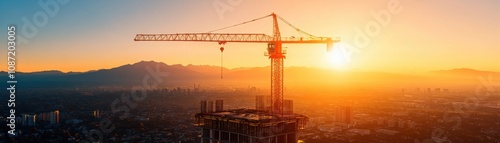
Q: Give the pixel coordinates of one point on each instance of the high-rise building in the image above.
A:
(349, 115)
(344, 114)
(54, 117)
(259, 103)
(262, 103)
(97, 114)
(203, 106)
(28, 120)
(57, 116)
(219, 105)
(249, 126)
(210, 106)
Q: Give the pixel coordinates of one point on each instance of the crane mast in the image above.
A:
(276, 55)
(274, 50)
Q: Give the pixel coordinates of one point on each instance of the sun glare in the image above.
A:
(337, 57)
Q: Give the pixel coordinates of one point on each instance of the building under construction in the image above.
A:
(248, 125)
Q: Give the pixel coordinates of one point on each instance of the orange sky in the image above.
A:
(426, 35)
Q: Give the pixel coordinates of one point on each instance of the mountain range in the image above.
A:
(133, 74)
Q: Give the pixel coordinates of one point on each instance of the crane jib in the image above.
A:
(224, 37)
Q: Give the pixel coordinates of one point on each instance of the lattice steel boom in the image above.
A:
(229, 37)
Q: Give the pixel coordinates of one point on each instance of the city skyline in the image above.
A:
(243, 71)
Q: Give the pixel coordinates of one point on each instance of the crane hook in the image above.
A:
(221, 62)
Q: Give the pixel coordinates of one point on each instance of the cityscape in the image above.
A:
(238, 71)
(170, 114)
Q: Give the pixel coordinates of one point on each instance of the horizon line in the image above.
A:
(142, 61)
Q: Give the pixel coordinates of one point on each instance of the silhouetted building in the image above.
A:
(288, 107)
(344, 114)
(54, 117)
(203, 106)
(249, 126)
(219, 105)
(259, 102)
(210, 107)
(28, 120)
(97, 114)
(263, 103)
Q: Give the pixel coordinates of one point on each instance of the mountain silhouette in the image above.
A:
(463, 71)
(134, 74)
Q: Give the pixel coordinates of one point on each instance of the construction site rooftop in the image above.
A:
(250, 115)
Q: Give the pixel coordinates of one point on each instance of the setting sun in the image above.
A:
(338, 57)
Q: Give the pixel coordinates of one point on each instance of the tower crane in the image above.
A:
(275, 51)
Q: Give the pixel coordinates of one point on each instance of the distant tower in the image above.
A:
(344, 114)
(97, 114)
(259, 103)
(54, 117)
(288, 107)
(203, 106)
(57, 116)
(32, 120)
(210, 106)
(28, 120)
(349, 115)
(262, 103)
(219, 105)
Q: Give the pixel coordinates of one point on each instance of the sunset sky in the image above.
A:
(89, 34)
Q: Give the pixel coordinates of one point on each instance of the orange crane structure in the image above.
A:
(275, 52)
